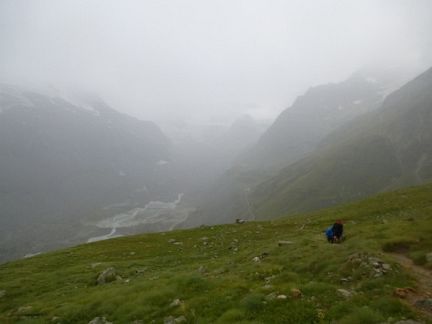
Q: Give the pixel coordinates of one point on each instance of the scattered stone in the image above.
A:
(138, 322)
(281, 243)
(140, 270)
(429, 257)
(2, 293)
(176, 302)
(173, 320)
(296, 293)
(132, 253)
(204, 238)
(425, 304)
(169, 320)
(106, 276)
(99, 320)
(95, 264)
(202, 269)
(172, 240)
(281, 297)
(268, 287)
(271, 296)
(344, 280)
(345, 293)
(24, 310)
(386, 267)
(178, 243)
(408, 322)
(240, 221)
(256, 259)
(55, 319)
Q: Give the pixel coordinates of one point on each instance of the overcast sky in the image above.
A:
(211, 58)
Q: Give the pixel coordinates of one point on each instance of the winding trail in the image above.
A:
(424, 282)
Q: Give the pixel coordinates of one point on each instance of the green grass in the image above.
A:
(213, 273)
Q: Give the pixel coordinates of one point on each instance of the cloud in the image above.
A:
(162, 58)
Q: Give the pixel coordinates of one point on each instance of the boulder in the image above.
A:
(176, 302)
(99, 320)
(106, 276)
(345, 293)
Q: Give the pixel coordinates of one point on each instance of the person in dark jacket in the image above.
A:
(337, 231)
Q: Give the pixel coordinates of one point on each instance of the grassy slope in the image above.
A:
(229, 287)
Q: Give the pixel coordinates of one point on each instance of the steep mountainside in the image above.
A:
(281, 271)
(385, 149)
(60, 162)
(294, 134)
(298, 129)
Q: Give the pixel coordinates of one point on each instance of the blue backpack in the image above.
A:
(329, 232)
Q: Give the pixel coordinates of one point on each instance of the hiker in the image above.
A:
(337, 231)
(334, 233)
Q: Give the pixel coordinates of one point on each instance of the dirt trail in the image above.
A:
(423, 291)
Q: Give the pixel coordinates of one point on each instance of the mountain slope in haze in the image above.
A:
(298, 129)
(240, 273)
(294, 134)
(382, 150)
(60, 162)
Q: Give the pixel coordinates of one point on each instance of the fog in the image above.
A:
(207, 60)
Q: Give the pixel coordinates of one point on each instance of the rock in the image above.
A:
(345, 293)
(132, 253)
(55, 319)
(202, 269)
(172, 240)
(425, 304)
(106, 276)
(408, 322)
(138, 322)
(2, 293)
(169, 320)
(180, 319)
(204, 238)
(429, 257)
(178, 243)
(240, 221)
(281, 243)
(95, 264)
(176, 302)
(256, 259)
(271, 296)
(296, 293)
(268, 287)
(281, 297)
(386, 267)
(24, 310)
(99, 320)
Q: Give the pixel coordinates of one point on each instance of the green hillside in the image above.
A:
(380, 151)
(239, 273)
